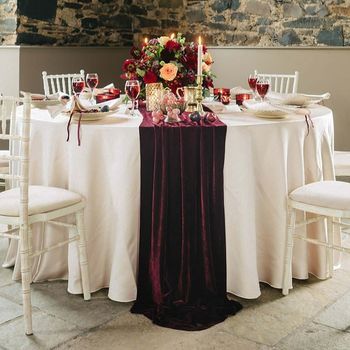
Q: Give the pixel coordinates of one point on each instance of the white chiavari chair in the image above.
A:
(342, 163)
(329, 201)
(54, 83)
(281, 83)
(24, 205)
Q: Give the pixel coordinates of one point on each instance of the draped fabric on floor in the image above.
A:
(182, 258)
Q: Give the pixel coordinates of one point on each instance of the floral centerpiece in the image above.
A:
(169, 60)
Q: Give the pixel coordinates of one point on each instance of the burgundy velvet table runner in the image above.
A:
(182, 255)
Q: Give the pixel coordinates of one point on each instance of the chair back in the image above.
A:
(282, 83)
(59, 82)
(15, 128)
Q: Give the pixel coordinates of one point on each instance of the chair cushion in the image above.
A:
(327, 194)
(342, 163)
(41, 200)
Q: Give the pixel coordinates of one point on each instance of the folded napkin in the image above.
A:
(297, 99)
(258, 106)
(218, 107)
(86, 93)
(86, 106)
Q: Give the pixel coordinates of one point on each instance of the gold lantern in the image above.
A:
(154, 92)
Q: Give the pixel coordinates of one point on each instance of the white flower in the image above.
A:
(163, 40)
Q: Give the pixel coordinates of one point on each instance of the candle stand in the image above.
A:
(199, 94)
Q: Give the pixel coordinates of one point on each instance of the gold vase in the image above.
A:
(154, 92)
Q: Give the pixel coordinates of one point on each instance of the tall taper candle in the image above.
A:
(200, 57)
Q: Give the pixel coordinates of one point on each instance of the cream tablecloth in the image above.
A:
(264, 160)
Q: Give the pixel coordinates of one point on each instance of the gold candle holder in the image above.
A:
(199, 94)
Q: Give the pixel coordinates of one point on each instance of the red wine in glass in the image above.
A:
(78, 85)
(92, 82)
(262, 88)
(132, 89)
(252, 82)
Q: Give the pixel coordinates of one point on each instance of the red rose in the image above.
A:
(172, 46)
(129, 66)
(150, 77)
(190, 60)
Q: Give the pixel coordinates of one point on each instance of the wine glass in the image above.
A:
(252, 80)
(132, 89)
(78, 85)
(92, 82)
(262, 87)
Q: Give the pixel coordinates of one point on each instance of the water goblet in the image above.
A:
(132, 90)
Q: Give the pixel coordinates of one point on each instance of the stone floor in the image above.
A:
(315, 315)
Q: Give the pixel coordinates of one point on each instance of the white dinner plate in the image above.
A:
(91, 116)
(44, 103)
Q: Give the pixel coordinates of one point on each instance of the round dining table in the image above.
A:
(265, 159)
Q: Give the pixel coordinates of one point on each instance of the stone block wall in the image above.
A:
(8, 21)
(221, 22)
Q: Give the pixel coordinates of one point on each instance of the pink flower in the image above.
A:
(168, 71)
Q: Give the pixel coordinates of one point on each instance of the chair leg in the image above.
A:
(26, 280)
(84, 270)
(330, 236)
(287, 273)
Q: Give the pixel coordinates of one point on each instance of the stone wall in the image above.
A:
(8, 22)
(221, 22)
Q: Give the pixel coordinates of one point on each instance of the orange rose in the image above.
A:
(168, 71)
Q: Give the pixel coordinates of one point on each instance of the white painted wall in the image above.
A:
(321, 70)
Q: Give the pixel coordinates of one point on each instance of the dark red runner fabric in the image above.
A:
(182, 257)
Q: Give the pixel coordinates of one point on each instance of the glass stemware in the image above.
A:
(262, 86)
(252, 80)
(132, 89)
(92, 82)
(78, 85)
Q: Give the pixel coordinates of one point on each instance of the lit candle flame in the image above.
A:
(200, 40)
(172, 36)
(146, 40)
